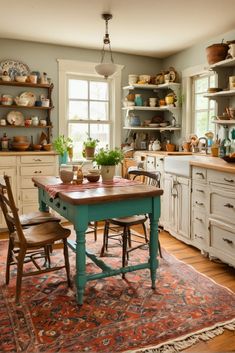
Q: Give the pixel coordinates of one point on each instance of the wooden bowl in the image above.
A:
(47, 147)
(37, 147)
(20, 139)
(93, 177)
(66, 176)
(20, 146)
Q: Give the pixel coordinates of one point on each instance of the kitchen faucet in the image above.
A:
(204, 146)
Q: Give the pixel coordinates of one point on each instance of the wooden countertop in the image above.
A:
(215, 163)
(27, 153)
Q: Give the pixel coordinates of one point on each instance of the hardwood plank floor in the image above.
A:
(219, 272)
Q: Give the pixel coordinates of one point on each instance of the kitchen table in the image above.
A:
(83, 205)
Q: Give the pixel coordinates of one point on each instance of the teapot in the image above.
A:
(156, 146)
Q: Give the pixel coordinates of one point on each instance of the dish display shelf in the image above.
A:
(226, 97)
(169, 110)
(29, 110)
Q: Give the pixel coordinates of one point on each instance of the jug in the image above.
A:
(156, 146)
(231, 50)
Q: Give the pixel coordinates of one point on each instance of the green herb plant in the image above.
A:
(62, 144)
(109, 157)
(90, 142)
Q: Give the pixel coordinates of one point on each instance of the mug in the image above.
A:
(45, 102)
(232, 82)
(33, 78)
(35, 121)
(43, 122)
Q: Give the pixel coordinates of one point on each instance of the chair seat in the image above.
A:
(38, 217)
(43, 234)
(130, 221)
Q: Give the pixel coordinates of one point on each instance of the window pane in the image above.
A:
(98, 110)
(201, 102)
(78, 110)
(212, 81)
(100, 132)
(212, 104)
(78, 132)
(201, 123)
(201, 84)
(78, 89)
(98, 90)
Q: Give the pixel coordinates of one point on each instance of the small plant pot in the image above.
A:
(107, 172)
(89, 152)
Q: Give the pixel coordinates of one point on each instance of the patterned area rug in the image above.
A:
(118, 315)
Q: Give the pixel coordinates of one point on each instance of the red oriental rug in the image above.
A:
(117, 315)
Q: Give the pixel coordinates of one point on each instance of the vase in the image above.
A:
(107, 172)
(63, 158)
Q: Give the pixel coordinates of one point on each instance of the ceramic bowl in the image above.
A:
(47, 147)
(37, 147)
(66, 176)
(21, 78)
(6, 78)
(93, 177)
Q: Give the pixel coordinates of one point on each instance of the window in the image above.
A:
(203, 108)
(88, 104)
(88, 111)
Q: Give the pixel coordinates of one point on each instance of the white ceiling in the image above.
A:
(144, 27)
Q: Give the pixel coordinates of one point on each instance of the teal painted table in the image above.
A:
(101, 203)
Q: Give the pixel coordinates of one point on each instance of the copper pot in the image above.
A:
(216, 52)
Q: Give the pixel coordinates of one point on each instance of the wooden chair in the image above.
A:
(125, 224)
(29, 244)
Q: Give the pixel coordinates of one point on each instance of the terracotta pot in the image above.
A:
(89, 152)
(170, 147)
(216, 52)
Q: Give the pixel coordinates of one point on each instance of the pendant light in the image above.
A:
(106, 69)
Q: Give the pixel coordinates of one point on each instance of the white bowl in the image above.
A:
(145, 78)
(6, 78)
(132, 79)
(20, 78)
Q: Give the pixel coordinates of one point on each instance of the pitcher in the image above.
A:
(231, 50)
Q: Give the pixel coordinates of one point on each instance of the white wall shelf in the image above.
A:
(215, 95)
(166, 128)
(223, 63)
(170, 85)
(224, 122)
(164, 108)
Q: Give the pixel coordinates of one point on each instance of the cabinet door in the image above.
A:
(169, 210)
(11, 172)
(183, 206)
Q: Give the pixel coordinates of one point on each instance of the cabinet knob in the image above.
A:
(199, 203)
(51, 199)
(57, 204)
(37, 160)
(199, 219)
(199, 190)
(64, 208)
(229, 180)
(37, 172)
(229, 205)
(201, 174)
(198, 236)
(229, 241)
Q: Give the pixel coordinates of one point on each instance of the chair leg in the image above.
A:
(95, 230)
(159, 249)
(9, 259)
(66, 261)
(145, 233)
(124, 248)
(20, 264)
(105, 239)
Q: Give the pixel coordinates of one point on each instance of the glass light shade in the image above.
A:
(105, 69)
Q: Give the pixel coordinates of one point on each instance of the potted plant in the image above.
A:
(108, 159)
(63, 145)
(89, 147)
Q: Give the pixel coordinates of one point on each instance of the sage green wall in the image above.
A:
(195, 55)
(43, 58)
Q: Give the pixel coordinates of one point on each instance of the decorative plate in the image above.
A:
(15, 118)
(30, 96)
(14, 68)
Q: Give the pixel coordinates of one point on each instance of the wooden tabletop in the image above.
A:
(100, 194)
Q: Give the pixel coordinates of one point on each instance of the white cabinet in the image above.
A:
(21, 168)
(199, 222)
(177, 202)
(221, 216)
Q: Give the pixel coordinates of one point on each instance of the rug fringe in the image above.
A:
(187, 341)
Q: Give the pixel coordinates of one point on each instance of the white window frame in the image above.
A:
(187, 109)
(87, 69)
(194, 110)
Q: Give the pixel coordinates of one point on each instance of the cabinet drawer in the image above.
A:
(26, 182)
(199, 222)
(222, 239)
(199, 174)
(29, 196)
(222, 204)
(38, 170)
(37, 159)
(7, 161)
(221, 178)
(199, 195)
